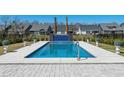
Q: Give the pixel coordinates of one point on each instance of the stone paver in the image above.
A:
(61, 70)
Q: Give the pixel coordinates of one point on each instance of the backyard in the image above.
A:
(105, 43)
(108, 47)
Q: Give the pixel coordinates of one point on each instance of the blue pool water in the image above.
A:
(60, 50)
(61, 38)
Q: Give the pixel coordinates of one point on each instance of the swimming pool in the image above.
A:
(60, 50)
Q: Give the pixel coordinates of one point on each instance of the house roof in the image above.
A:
(41, 28)
(89, 27)
(3, 28)
(24, 26)
(19, 27)
(110, 27)
(122, 26)
(35, 27)
(45, 27)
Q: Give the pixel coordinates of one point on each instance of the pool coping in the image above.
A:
(101, 55)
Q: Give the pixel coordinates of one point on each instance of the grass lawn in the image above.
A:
(1, 49)
(110, 48)
(13, 47)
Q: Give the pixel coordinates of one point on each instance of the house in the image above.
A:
(122, 26)
(19, 29)
(38, 29)
(23, 28)
(61, 29)
(87, 29)
(110, 28)
(46, 29)
(35, 29)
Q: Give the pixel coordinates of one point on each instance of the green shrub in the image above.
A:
(79, 38)
(107, 41)
(18, 40)
(74, 37)
(92, 39)
(97, 39)
(5, 42)
(118, 42)
(84, 38)
(0, 42)
(24, 39)
(41, 38)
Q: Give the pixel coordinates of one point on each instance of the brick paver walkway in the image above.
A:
(61, 70)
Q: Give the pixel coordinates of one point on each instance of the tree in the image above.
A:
(72, 27)
(16, 24)
(6, 25)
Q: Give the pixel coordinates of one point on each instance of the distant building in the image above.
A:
(62, 28)
(46, 29)
(110, 28)
(122, 26)
(87, 29)
(38, 29)
(19, 29)
(35, 29)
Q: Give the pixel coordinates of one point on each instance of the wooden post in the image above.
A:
(66, 24)
(55, 25)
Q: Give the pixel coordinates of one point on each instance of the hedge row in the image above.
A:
(17, 39)
(102, 39)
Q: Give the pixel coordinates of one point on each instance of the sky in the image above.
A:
(87, 19)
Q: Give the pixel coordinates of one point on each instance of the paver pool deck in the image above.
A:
(61, 70)
(101, 55)
(105, 64)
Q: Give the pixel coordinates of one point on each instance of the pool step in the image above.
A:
(61, 38)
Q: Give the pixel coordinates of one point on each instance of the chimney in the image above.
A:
(66, 24)
(55, 24)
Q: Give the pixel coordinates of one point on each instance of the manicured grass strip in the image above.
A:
(110, 48)
(13, 47)
(1, 50)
